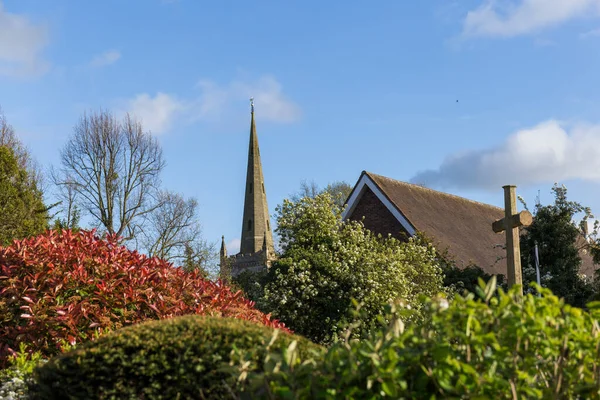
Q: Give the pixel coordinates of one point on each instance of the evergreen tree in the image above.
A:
(22, 210)
(558, 238)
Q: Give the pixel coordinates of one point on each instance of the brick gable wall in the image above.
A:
(378, 218)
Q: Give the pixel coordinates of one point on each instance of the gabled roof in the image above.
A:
(462, 226)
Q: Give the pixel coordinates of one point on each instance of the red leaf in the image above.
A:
(82, 282)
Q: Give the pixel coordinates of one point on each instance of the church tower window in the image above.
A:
(249, 224)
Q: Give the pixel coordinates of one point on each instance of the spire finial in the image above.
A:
(252, 104)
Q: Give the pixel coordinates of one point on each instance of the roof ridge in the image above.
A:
(419, 187)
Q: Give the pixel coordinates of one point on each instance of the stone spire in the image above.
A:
(223, 248)
(223, 265)
(256, 227)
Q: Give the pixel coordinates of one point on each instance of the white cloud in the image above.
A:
(512, 18)
(106, 58)
(214, 103)
(269, 99)
(546, 153)
(21, 44)
(233, 246)
(156, 113)
(592, 33)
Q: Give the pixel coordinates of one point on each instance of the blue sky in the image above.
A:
(340, 87)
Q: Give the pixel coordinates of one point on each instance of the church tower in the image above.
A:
(256, 243)
(256, 227)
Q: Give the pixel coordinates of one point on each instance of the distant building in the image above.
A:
(459, 225)
(256, 247)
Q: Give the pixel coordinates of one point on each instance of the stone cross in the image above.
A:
(510, 224)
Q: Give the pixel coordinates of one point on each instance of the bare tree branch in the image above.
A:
(172, 232)
(67, 193)
(112, 167)
(339, 191)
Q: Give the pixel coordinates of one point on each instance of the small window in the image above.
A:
(263, 185)
(268, 226)
(249, 224)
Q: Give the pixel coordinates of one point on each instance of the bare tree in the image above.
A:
(307, 189)
(113, 167)
(172, 232)
(68, 199)
(339, 191)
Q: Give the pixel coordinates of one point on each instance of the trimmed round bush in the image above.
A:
(65, 287)
(181, 358)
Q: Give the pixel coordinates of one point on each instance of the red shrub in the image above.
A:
(67, 286)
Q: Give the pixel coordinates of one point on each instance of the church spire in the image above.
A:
(223, 252)
(256, 228)
(223, 265)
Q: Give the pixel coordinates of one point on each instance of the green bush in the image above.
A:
(326, 262)
(465, 279)
(252, 283)
(179, 358)
(496, 347)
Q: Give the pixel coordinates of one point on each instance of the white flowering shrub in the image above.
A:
(326, 263)
(14, 380)
(13, 388)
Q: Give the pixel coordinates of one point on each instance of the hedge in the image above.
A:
(179, 358)
(494, 346)
(65, 287)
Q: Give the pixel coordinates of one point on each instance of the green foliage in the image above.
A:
(558, 239)
(339, 192)
(194, 260)
(15, 379)
(70, 222)
(498, 346)
(251, 283)
(326, 262)
(22, 211)
(466, 279)
(64, 287)
(181, 358)
(24, 360)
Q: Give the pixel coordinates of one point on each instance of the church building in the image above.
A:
(461, 226)
(256, 247)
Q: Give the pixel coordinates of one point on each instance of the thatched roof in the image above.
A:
(459, 225)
